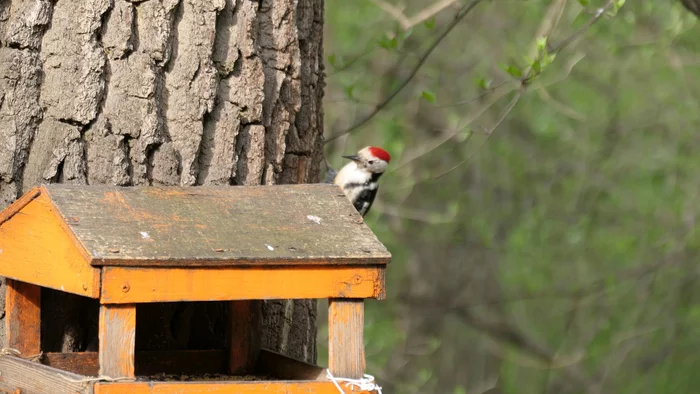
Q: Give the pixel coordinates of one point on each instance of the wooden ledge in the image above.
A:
(18, 375)
(189, 362)
(286, 387)
(128, 285)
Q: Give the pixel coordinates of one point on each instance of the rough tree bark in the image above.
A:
(168, 92)
(692, 6)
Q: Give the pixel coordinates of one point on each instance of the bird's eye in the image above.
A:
(371, 162)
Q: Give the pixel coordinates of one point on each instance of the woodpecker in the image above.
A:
(358, 179)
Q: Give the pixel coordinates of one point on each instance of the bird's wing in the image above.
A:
(330, 175)
(365, 200)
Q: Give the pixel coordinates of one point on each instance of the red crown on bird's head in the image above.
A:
(379, 153)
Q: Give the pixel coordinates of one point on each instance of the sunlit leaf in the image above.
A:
(484, 83)
(541, 44)
(349, 91)
(428, 96)
(388, 43)
(513, 70)
(430, 23)
(537, 66)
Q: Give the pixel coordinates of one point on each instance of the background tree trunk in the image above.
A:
(167, 92)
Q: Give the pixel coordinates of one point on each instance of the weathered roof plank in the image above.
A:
(216, 226)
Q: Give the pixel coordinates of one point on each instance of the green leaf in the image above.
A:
(514, 71)
(349, 91)
(547, 59)
(459, 390)
(332, 60)
(584, 3)
(541, 44)
(406, 34)
(388, 43)
(484, 83)
(617, 4)
(537, 66)
(429, 96)
(430, 23)
(464, 134)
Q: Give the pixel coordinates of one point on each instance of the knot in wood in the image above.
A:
(125, 287)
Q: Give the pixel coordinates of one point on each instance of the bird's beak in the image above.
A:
(352, 157)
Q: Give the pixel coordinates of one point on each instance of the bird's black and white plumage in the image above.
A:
(359, 178)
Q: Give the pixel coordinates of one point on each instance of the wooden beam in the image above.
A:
(33, 378)
(38, 248)
(226, 387)
(126, 285)
(346, 349)
(23, 317)
(82, 363)
(245, 319)
(189, 362)
(117, 340)
(283, 367)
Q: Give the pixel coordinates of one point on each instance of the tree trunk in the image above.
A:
(166, 92)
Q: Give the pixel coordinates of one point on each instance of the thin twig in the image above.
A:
(463, 12)
(350, 63)
(506, 112)
(393, 11)
(599, 14)
(423, 15)
(447, 136)
(479, 96)
(524, 81)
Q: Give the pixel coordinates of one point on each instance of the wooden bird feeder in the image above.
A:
(126, 246)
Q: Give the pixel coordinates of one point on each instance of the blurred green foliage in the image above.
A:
(562, 255)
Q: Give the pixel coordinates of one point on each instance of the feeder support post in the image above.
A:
(346, 351)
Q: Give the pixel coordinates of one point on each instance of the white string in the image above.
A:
(364, 384)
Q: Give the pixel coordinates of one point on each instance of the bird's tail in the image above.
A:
(330, 175)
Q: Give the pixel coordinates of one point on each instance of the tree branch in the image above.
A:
(423, 15)
(524, 81)
(461, 14)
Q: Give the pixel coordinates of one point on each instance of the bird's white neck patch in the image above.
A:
(351, 173)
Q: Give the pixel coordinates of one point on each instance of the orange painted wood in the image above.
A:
(117, 340)
(20, 203)
(36, 247)
(235, 387)
(134, 285)
(245, 319)
(346, 349)
(23, 317)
